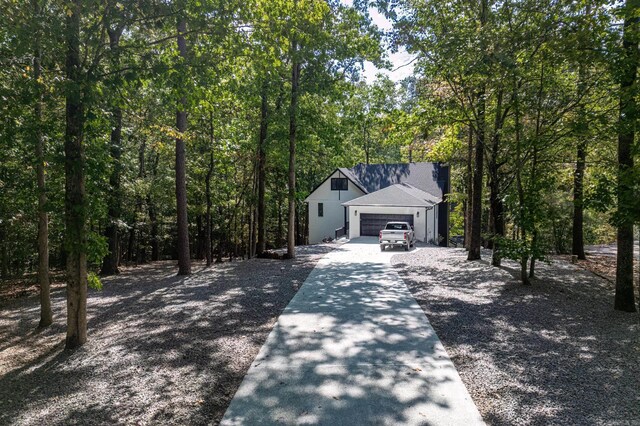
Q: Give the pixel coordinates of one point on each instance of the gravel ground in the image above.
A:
(553, 353)
(162, 349)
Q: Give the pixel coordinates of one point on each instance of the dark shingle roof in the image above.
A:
(428, 177)
(400, 194)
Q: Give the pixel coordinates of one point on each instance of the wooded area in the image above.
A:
(135, 131)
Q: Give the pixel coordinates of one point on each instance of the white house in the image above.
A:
(361, 200)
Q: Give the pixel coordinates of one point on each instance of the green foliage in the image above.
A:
(93, 281)
(97, 248)
(526, 59)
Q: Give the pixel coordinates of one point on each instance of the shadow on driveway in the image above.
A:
(352, 348)
(162, 349)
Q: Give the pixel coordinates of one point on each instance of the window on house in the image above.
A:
(320, 210)
(338, 184)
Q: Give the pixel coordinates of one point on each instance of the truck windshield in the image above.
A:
(397, 226)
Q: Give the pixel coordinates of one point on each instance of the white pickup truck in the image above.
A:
(397, 234)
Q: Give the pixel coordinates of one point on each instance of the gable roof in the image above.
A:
(431, 178)
(348, 176)
(397, 195)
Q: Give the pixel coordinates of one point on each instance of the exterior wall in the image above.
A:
(430, 224)
(423, 225)
(443, 223)
(333, 218)
(438, 228)
(436, 212)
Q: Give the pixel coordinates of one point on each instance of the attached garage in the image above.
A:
(371, 224)
(396, 203)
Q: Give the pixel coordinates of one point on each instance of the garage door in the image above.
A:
(371, 224)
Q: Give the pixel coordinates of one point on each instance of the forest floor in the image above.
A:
(28, 285)
(601, 260)
(552, 353)
(161, 349)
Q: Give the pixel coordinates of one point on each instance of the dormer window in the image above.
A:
(339, 184)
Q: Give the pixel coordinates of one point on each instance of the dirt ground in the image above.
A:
(161, 349)
(602, 264)
(553, 353)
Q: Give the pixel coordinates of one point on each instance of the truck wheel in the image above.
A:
(381, 247)
(406, 248)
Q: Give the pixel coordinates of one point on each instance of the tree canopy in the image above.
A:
(136, 131)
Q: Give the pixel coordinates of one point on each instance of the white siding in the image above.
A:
(430, 224)
(423, 224)
(333, 218)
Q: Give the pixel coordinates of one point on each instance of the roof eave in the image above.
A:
(338, 169)
(387, 205)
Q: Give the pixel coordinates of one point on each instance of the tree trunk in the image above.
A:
(153, 219)
(208, 244)
(293, 109)
(140, 253)
(200, 238)
(533, 186)
(184, 257)
(624, 296)
(220, 238)
(521, 220)
(251, 237)
(578, 200)
(577, 231)
(132, 239)
(365, 139)
(524, 276)
(110, 261)
(581, 154)
(252, 212)
(495, 200)
(153, 216)
(4, 256)
(298, 227)
(532, 264)
(476, 198)
(75, 208)
(469, 179)
(46, 315)
(262, 160)
(279, 231)
(497, 216)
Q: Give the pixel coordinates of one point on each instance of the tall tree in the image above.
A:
(630, 59)
(208, 228)
(75, 203)
(478, 170)
(582, 130)
(111, 260)
(293, 128)
(469, 188)
(496, 204)
(46, 315)
(184, 257)
(261, 173)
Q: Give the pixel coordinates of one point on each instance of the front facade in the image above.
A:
(326, 212)
(361, 200)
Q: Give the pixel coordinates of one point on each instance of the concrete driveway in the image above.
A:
(353, 348)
